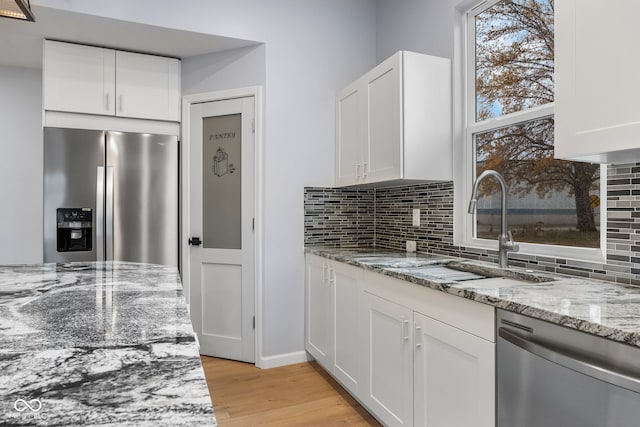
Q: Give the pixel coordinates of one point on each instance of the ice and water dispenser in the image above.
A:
(74, 229)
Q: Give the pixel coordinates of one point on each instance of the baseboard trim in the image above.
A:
(283, 359)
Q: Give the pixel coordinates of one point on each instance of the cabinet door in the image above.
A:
(318, 311)
(596, 73)
(346, 290)
(147, 87)
(454, 376)
(387, 387)
(350, 132)
(383, 141)
(78, 79)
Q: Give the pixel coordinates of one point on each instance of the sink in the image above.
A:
(400, 262)
(492, 271)
(492, 283)
(448, 270)
(486, 275)
(441, 272)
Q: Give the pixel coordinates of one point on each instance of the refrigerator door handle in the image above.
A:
(100, 214)
(109, 214)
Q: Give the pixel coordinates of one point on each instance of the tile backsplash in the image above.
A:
(381, 217)
(339, 217)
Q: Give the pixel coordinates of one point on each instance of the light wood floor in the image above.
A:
(294, 395)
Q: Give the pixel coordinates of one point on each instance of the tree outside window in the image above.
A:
(551, 201)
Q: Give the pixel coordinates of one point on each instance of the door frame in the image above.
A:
(258, 214)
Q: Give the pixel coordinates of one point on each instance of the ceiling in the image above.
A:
(21, 42)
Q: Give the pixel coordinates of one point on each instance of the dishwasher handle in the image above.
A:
(572, 362)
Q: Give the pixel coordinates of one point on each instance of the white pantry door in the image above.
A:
(221, 227)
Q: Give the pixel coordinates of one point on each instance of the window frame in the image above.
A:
(465, 153)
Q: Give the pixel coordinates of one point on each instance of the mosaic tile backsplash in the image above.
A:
(381, 217)
(339, 217)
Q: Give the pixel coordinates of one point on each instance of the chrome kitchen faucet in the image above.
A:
(505, 240)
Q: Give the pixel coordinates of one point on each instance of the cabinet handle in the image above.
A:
(332, 276)
(357, 170)
(100, 213)
(418, 345)
(106, 101)
(324, 272)
(121, 103)
(574, 362)
(405, 330)
(364, 169)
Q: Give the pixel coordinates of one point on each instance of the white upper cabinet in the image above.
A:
(349, 153)
(148, 87)
(92, 80)
(79, 79)
(383, 138)
(597, 113)
(394, 123)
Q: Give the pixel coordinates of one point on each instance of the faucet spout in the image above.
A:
(472, 205)
(505, 240)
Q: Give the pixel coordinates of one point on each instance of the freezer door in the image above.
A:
(72, 161)
(142, 198)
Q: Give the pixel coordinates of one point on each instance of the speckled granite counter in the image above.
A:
(602, 308)
(98, 344)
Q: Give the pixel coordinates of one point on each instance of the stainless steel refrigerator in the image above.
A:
(110, 196)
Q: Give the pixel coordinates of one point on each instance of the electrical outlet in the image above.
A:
(416, 217)
(411, 246)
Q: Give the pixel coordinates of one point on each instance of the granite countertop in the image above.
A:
(601, 308)
(102, 343)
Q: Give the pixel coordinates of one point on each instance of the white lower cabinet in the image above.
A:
(347, 366)
(454, 376)
(318, 323)
(388, 359)
(409, 354)
(332, 321)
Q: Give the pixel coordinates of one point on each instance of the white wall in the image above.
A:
(312, 49)
(20, 165)
(433, 27)
(424, 26)
(230, 69)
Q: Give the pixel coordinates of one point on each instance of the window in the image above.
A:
(553, 205)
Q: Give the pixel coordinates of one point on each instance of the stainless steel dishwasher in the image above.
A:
(553, 376)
